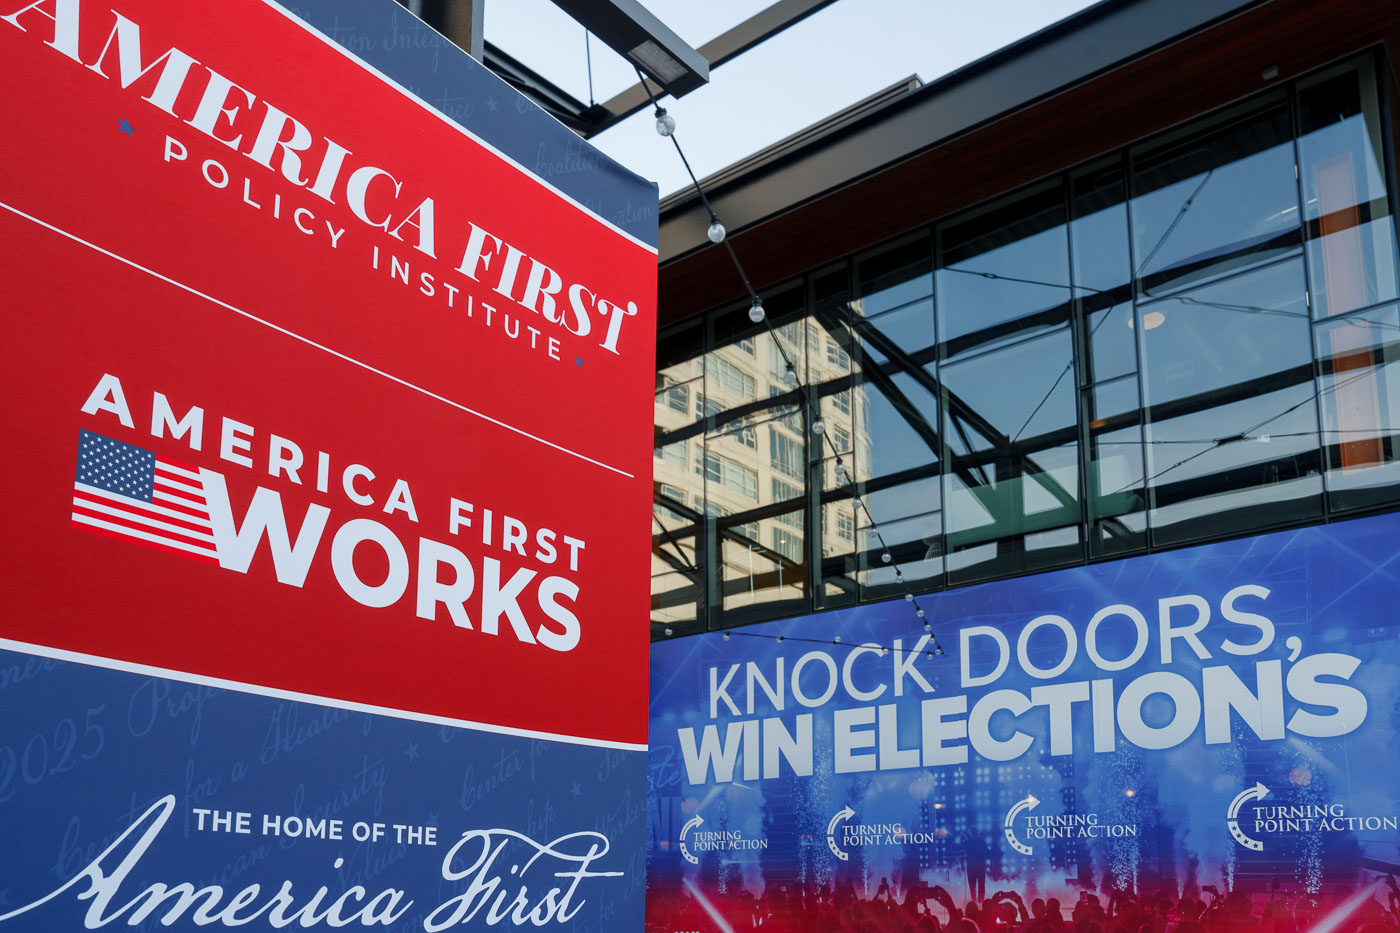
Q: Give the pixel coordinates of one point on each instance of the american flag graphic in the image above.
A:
(127, 492)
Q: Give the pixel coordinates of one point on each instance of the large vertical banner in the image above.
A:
(1210, 735)
(327, 365)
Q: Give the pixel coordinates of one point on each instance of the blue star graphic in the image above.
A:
(411, 751)
(125, 127)
(576, 791)
(491, 104)
(578, 361)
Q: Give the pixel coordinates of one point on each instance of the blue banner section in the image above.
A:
(416, 57)
(133, 801)
(1193, 723)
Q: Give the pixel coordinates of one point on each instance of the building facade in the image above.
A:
(1148, 339)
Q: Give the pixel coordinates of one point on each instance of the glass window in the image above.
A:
(1351, 235)
(1360, 393)
(915, 545)
(1013, 481)
(1117, 499)
(730, 475)
(1103, 271)
(785, 452)
(1217, 196)
(787, 543)
(754, 574)
(896, 425)
(895, 276)
(1003, 271)
(1231, 415)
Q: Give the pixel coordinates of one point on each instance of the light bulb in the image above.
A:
(938, 649)
(715, 231)
(756, 312)
(856, 502)
(665, 123)
(780, 638)
(819, 427)
(927, 627)
(790, 375)
(840, 470)
(908, 597)
(836, 640)
(726, 636)
(885, 557)
(668, 631)
(919, 613)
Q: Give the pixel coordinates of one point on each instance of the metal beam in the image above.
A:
(753, 31)
(632, 31)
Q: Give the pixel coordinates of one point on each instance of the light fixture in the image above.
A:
(715, 231)
(840, 470)
(819, 427)
(668, 631)
(726, 636)
(908, 597)
(857, 503)
(836, 640)
(927, 627)
(885, 557)
(665, 123)
(938, 649)
(919, 612)
(1150, 321)
(790, 375)
(756, 312)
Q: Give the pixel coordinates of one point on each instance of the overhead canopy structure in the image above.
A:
(667, 64)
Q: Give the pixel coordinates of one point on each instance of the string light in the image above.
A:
(668, 631)
(882, 650)
(666, 126)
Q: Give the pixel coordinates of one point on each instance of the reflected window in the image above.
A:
(1103, 271)
(1013, 482)
(1117, 503)
(1351, 235)
(1231, 410)
(1003, 272)
(1359, 388)
(1217, 196)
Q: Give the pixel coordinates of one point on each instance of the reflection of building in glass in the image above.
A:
(1187, 337)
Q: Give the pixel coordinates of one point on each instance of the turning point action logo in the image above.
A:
(1061, 826)
(726, 840)
(1295, 818)
(841, 837)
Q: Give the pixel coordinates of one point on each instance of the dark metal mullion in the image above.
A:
(1126, 166)
(1076, 332)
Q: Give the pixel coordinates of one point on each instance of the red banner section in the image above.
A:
(309, 389)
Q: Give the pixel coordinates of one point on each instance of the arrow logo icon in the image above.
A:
(1232, 816)
(694, 821)
(845, 813)
(1030, 803)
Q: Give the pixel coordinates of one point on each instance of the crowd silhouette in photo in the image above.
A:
(924, 908)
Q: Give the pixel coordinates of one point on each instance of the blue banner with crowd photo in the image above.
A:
(133, 801)
(1197, 736)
